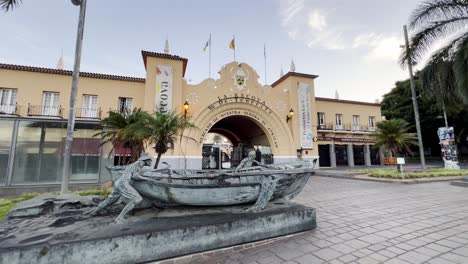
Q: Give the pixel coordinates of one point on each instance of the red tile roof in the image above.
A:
(296, 74)
(69, 73)
(146, 54)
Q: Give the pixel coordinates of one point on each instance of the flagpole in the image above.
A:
(264, 55)
(234, 38)
(209, 63)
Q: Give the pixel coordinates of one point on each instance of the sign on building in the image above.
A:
(163, 100)
(305, 116)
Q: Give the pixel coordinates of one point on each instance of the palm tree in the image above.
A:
(163, 129)
(438, 80)
(6, 5)
(125, 129)
(393, 135)
(437, 20)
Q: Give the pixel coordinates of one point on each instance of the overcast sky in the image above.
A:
(352, 45)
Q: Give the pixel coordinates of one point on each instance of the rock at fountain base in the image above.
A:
(147, 236)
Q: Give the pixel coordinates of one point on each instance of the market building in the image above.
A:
(281, 121)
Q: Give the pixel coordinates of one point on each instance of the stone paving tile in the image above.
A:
(414, 257)
(309, 259)
(368, 222)
(327, 254)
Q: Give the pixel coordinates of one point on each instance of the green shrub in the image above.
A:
(394, 174)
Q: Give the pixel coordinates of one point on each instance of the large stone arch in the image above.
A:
(276, 129)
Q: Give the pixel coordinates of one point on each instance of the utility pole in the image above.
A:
(74, 89)
(415, 101)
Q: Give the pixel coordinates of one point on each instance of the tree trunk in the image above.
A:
(157, 160)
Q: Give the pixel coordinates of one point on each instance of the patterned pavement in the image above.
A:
(370, 222)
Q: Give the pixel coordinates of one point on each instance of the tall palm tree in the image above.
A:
(163, 130)
(438, 80)
(7, 5)
(393, 135)
(436, 20)
(125, 129)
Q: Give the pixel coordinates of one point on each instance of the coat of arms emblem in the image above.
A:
(240, 80)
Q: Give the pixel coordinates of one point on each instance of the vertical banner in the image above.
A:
(305, 116)
(163, 99)
(448, 147)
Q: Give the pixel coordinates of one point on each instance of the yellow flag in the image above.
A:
(232, 45)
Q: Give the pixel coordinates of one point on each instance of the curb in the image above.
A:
(382, 180)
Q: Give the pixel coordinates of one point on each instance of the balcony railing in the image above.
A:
(343, 127)
(9, 109)
(327, 126)
(45, 110)
(362, 128)
(88, 113)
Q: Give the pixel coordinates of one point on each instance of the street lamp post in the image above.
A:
(415, 102)
(74, 89)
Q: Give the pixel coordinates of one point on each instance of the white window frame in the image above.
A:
(50, 107)
(89, 105)
(339, 121)
(8, 100)
(128, 104)
(321, 118)
(356, 122)
(371, 123)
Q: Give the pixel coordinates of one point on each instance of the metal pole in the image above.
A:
(209, 63)
(71, 114)
(264, 55)
(415, 102)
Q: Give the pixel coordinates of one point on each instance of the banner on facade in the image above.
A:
(163, 99)
(305, 116)
(448, 147)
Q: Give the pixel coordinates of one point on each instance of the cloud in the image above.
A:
(310, 25)
(379, 46)
(317, 20)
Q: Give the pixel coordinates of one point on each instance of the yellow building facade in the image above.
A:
(284, 120)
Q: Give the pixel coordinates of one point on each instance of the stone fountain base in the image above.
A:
(68, 236)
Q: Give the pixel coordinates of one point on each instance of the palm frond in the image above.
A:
(424, 39)
(8, 5)
(461, 68)
(434, 10)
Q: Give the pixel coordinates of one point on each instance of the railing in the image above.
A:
(45, 110)
(9, 109)
(88, 113)
(343, 127)
(362, 128)
(327, 126)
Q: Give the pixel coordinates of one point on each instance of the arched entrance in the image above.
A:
(239, 135)
(277, 131)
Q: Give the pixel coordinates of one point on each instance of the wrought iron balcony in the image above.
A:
(327, 126)
(343, 127)
(45, 110)
(9, 109)
(362, 128)
(88, 113)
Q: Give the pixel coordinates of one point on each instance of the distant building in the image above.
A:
(285, 119)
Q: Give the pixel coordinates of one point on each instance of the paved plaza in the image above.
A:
(370, 222)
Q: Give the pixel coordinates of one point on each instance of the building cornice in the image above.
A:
(15, 67)
(166, 56)
(295, 74)
(345, 101)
